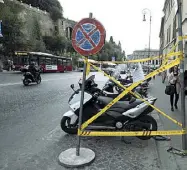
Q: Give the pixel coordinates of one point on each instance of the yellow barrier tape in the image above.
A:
(129, 89)
(180, 38)
(88, 66)
(135, 133)
(161, 69)
(88, 69)
(145, 59)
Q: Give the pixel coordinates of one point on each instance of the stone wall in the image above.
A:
(30, 15)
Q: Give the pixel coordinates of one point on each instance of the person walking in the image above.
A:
(174, 80)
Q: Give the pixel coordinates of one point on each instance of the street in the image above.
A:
(30, 132)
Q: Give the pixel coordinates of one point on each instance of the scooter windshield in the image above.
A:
(90, 79)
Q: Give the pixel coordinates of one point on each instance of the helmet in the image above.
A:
(33, 63)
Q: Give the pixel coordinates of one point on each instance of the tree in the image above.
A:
(11, 28)
(55, 44)
(111, 40)
(52, 6)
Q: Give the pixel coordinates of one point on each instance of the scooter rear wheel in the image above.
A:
(154, 126)
(65, 122)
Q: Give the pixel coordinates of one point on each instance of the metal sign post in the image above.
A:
(184, 137)
(182, 152)
(88, 38)
(81, 107)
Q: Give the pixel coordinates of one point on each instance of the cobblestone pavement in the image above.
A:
(30, 134)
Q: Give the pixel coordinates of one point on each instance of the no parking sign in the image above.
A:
(88, 36)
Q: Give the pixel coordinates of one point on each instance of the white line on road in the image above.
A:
(12, 84)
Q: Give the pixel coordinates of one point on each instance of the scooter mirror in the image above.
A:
(72, 86)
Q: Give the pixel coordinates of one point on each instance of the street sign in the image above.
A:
(88, 36)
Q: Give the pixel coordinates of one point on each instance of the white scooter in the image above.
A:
(123, 116)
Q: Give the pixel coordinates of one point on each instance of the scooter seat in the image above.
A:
(122, 105)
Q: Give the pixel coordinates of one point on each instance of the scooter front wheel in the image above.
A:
(26, 82)
(67, 127)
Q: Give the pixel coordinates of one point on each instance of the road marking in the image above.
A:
(12, 84)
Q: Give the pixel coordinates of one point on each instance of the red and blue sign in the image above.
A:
(88, 36)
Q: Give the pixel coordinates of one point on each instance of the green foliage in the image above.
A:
(51, 6)
(56, 45)
(11, 28)
(111, 49)
(69, 47)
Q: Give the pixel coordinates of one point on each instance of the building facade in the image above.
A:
(169, 25)
(141, 54)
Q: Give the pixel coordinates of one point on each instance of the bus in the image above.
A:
(48, 62)
(80, 65)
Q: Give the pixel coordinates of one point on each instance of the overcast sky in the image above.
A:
(122, 19)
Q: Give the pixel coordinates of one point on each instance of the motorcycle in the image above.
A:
(29, 78)
(110, 86)
(123, 116)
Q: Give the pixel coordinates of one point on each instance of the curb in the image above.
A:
(167, 160)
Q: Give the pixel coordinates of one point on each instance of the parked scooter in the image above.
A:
(123, 116)
(110, 86)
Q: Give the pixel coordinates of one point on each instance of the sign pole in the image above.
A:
(82, 101)
(88, 38)
(81, 107)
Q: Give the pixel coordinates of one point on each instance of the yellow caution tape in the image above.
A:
(161, 69)
(180, 38)
(133, 133)
(88, 69)
(171, 54)
(129, 89)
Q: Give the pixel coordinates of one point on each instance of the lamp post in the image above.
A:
(144, 12)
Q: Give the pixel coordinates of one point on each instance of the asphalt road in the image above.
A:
(30, 134)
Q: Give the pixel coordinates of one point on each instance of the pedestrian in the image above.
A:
(154, 70)
(173, 79)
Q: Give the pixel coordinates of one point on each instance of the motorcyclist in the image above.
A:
(33, 69)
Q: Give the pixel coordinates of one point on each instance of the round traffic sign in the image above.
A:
(88, 36)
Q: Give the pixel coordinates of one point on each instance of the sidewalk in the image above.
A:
(10, 72)
(169, 161)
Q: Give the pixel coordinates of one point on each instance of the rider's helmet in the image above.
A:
(33, 63)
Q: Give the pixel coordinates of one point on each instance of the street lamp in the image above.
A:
(144, 12)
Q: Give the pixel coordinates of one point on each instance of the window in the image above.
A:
(34, 59)
(64, 62)
(54, 61)
(169, 34)
(42, 60)
(174, 28)
(15, 60)
(59, 62)
(25, 60)
(69, 63)
(62, 22)
(156, 62)
(48, 61)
